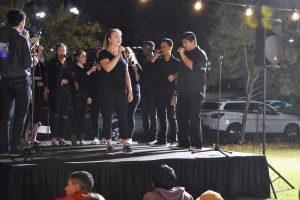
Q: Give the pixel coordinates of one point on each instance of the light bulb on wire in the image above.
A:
(295, 15)
(198, 5)
(249, 11)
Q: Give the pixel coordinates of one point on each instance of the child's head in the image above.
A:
(79, 181)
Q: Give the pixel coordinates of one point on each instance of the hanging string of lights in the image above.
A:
(249, 11)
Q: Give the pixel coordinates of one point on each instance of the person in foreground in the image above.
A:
(163, 181)
(210, 195)
(79, 184)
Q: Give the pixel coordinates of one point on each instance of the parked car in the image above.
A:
(278, 104)
(231, 114)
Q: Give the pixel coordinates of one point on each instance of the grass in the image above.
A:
(285, 158)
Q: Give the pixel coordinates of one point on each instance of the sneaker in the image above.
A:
(173, 144)
(75, 143)
(103, 141)
(159, 144)
(120, 141)
(25, 144)
(192, 148)
(62, 142)
(178, 147)
(129, 141)
(82, 142)
(36, 143)
(54, 142)
(127, 149)
(95, 141)
(110, 149)
(152, 142)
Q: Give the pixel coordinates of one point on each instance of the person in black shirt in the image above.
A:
(81, 98)
(135, 72)
(60, 84)
(166, 67)
(191, 91)
(148, 96)
(15, 63)
(117, 91)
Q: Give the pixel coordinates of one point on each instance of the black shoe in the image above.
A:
(36, 143)
(127, 149)
(179, 147)
(159, 144)
(110, 149)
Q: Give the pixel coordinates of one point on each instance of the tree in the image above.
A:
(234, 38)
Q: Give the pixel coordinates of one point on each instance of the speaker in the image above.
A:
(268, 42)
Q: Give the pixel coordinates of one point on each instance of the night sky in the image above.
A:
(149, 21)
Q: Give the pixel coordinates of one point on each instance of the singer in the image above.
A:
(118, 90)
(191, 91)
(15, 82)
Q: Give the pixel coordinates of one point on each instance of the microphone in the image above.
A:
(39, 33)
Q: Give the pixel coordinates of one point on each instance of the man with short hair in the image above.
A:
(15, 63)
(79, 184)
(166, 65)
(191, 91)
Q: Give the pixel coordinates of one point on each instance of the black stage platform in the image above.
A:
(128, 176)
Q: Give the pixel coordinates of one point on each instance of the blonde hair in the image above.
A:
(108, 35)
(132, 57)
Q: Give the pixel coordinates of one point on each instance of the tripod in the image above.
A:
(217, 145)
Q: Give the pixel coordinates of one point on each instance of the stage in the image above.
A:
(122, 176)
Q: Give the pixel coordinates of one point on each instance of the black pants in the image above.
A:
(189, 122)
(119, 102)
(132, 106)
(149, 116)
(60, 102)
(15, 95)
(96, 107)
(79, 112)
(164, 110)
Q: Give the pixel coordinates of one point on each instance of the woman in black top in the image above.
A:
(135, 72)
(60, 84)
(117, 91)
(81, 98)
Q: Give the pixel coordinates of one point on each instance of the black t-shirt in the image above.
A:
(113, 81)
(82, 78)
(164, 69)
(193, 81)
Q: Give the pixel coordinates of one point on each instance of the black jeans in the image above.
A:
(96, 107)
(60, 102)
(79, 112)
(119, 102)
(189, 122)
(164, 110)
(15, 95)
(149, 116)
(132, 106)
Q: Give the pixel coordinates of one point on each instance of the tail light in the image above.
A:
(217, 115)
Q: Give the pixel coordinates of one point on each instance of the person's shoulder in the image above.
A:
(149, 196)
(104, 54)
(175, 59)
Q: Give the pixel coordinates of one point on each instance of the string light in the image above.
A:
(40, 15)
(249, 11)
(295, 15)
(198, 5)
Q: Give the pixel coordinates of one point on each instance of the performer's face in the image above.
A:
(61, 52)
(165, 48)
(115, 39)
(82, 58)
(72, 187)
(188, 45)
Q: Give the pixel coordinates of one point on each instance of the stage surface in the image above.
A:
(120, 176)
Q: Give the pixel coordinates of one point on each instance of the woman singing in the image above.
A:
(118, 90)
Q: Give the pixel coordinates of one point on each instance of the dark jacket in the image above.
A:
(15, 57)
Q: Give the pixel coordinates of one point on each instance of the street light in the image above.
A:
(198, 5)
(74, 10)
(40, 15)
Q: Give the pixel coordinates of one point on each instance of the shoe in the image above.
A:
(159, 144)
(110, 149)
(103, 141)
(75, 143)
(120, 141)
(82, 142)
(173, 144)
(152, 142)
(25, 144)
(192, 148)
(129, 141)
(95, 141)
(36, 143)
(127, 149)
(62, 142)
(178, 147)
(54, 142)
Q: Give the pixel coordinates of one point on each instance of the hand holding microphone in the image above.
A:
(121, 49)
(181, 50)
